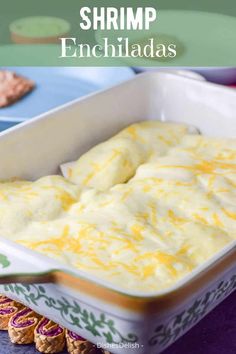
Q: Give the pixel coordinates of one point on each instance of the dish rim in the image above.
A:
(57, 267)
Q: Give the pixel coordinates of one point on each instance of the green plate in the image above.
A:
(40, 26)
(202, 38)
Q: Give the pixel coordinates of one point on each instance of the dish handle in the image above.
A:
(19, 265)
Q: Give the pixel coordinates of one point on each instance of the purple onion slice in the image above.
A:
(48, 328)
(22, 320)
(75, 336)
(7, 311)
(5, 300)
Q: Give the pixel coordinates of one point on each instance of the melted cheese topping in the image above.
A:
(117, 159)
(140, 210)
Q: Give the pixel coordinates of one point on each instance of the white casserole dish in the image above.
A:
(127, 322)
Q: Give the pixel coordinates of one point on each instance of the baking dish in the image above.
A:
(124, 322)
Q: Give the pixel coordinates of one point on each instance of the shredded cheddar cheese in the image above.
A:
(140, 210)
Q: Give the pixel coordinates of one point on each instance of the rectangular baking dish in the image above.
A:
(103, 314)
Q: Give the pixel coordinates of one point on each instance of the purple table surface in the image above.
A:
(215, 334)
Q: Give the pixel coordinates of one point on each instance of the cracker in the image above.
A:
(79, 345)
(49, 337)
(22, 325)
(7, 309)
